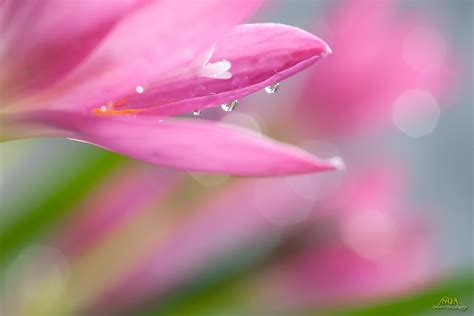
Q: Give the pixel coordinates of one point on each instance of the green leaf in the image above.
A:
(419, 303)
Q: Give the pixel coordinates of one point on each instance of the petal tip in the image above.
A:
(328, 50)
(338, 163)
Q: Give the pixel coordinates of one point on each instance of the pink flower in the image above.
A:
(381, 56)
(369, 245)
(111, 74)
(362, 244)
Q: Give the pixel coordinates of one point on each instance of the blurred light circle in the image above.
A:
(424, 47)
(370, 233)
(38, 274)
(278, 205)
(316, 186)
(416, 113)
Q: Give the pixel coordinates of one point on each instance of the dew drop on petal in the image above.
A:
(139, 89)
(196, 113)
(103, 108)
(229, 107)
(272, 88)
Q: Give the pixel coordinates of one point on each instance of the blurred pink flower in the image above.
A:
(175, 243)
(381, 56)
(375, 248)
(367, 245)
(110, 74)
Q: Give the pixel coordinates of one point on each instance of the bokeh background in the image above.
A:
(84, 230)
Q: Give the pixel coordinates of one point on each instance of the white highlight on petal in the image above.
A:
(139, 89)
(103, 108)
(416, 113)
(208, 55)
(327, 50)
(217, 70)
(78, 140)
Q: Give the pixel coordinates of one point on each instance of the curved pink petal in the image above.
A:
(160, 38)
(259, 55)
(42, 40)
(194, 145)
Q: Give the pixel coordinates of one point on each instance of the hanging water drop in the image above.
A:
(272, 88)
(229, 107)
(196, 113)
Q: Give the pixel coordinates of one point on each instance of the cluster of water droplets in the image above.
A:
(227, 107)
(231, 106)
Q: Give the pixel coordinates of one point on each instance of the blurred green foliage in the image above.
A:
(57, 200)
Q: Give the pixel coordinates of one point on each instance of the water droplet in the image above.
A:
(196, 113)
(103, 108)
(272, 88)
(139, 89)
(228, 107)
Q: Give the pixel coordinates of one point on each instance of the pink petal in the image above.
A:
(259, 54)
(42, 40)
(359, 86)
(118, 200)
(157, 39)
(187, 144)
